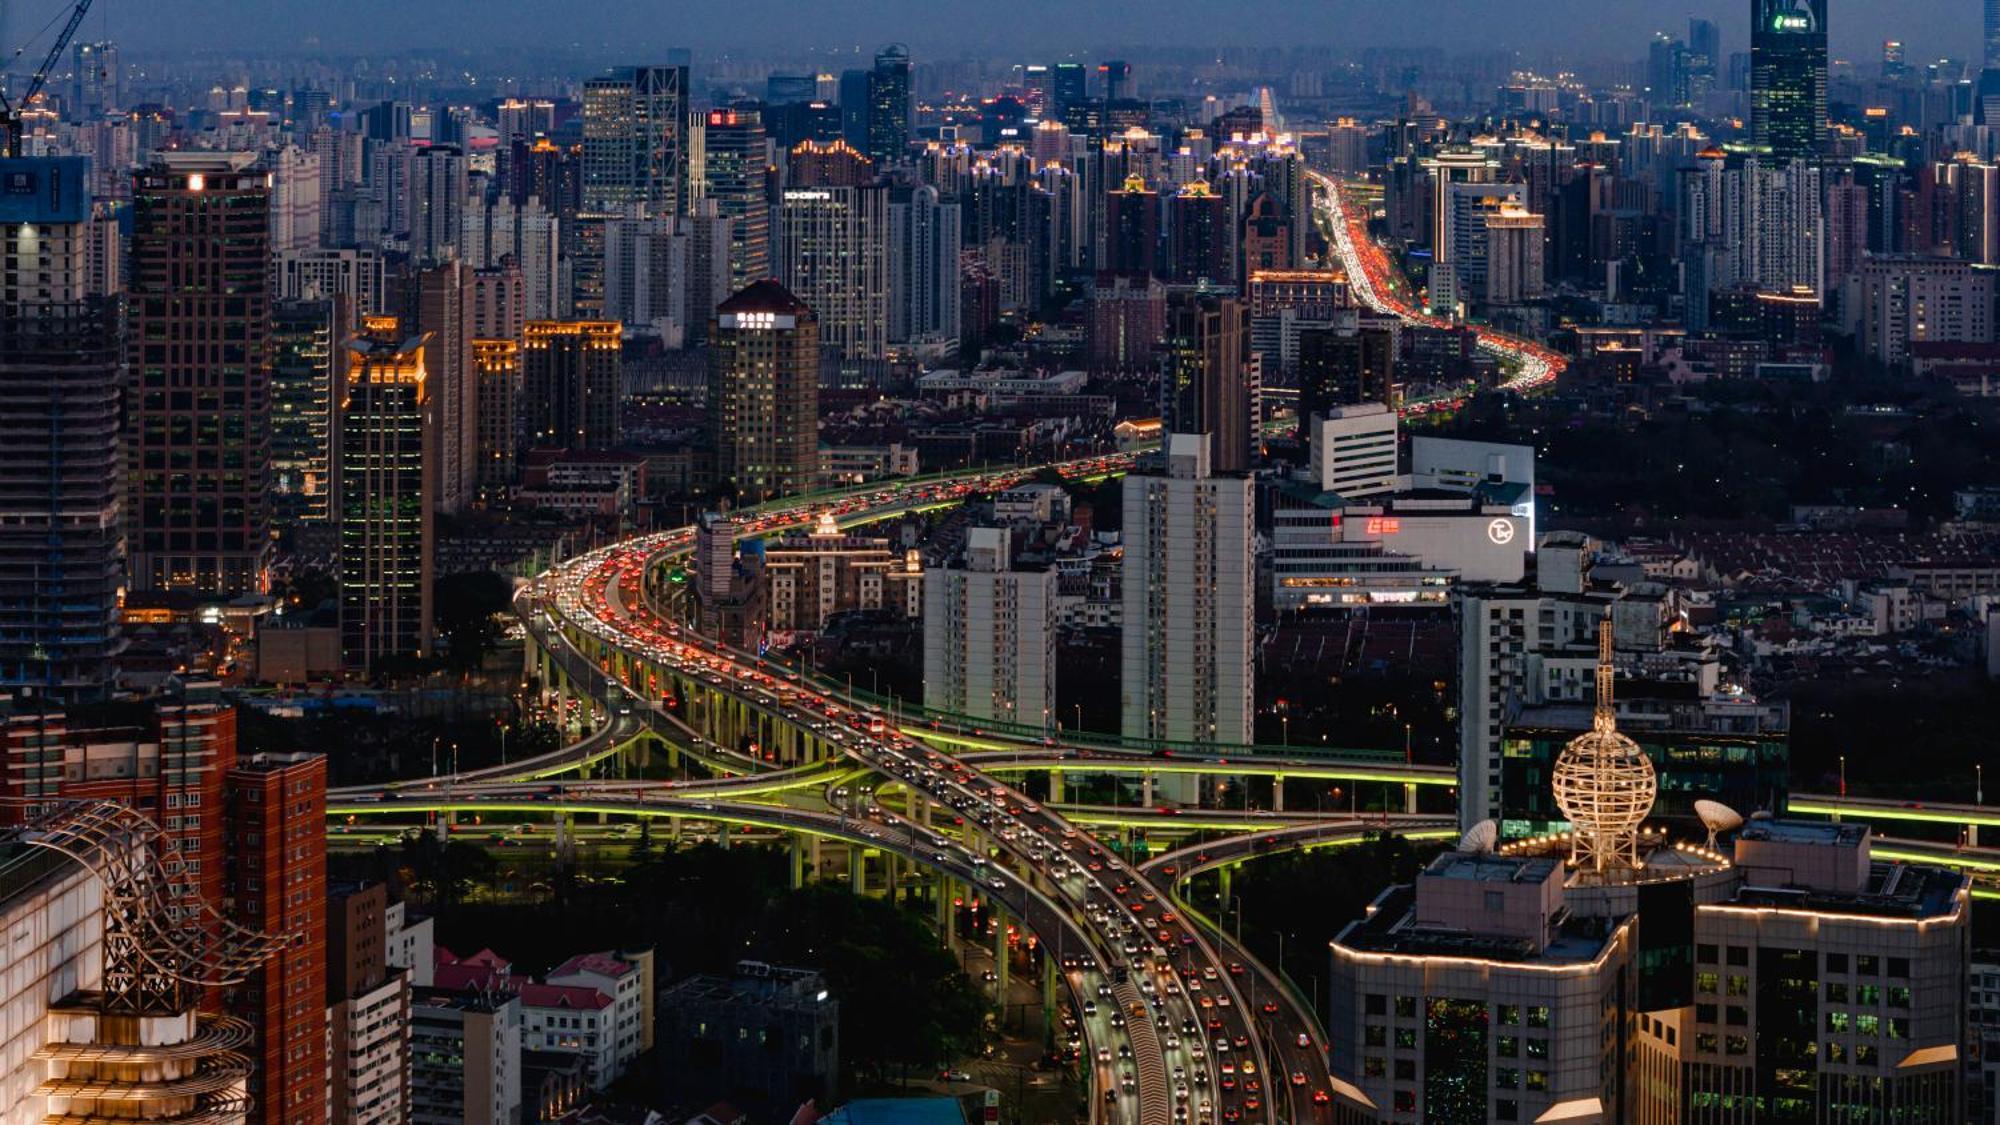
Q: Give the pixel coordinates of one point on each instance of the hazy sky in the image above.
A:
(1593, 28)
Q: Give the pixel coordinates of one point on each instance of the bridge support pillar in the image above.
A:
(798, 864)
(1224, 878)
(1057, 792)
(857, 869)
(1146, 789)
(812, 854)
(1050, 972)
(1278, 793)
(945, 914)
(1409, 798)
(1000, 962)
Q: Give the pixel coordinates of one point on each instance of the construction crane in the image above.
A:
(10, 112)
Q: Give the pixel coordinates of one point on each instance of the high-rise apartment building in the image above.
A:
(1345, 366)
(61, 477)
(924, 246)
(437, 203)
(295, 199)
(635, 140)
(465, 1052)
(385, 505)
(323, 274)
(498, 365)
(1205, 377)
(990, 635)
(736, 167)
(276, 807)
(570, 384)
(1201, 241)
(1130, 243)
(1892, 302)
(1353, 450)
(197, 417)
(440, 304)
(833, 248)
(1788, 77)
(368, 1010)
(1188, 663)
(1514, 261)
(763, 393)
(889, 105)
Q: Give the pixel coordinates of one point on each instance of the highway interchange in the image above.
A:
(1179, 1023)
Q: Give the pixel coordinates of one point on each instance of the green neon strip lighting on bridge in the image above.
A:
(1875, 812)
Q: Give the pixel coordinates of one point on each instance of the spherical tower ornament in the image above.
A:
(1605, 785)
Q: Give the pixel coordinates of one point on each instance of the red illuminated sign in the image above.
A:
(1384, 525)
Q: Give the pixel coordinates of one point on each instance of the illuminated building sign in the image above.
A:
(1384, 525)
(766, 321)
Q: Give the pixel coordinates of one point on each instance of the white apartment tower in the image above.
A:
(990, 635)
(1188, 671)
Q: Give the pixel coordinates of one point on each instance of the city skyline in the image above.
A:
(1590, 31)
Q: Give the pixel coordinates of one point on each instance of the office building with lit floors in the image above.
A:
(763, 393)
(1748, 971)
(1187, 659)
(385, 506)
(1788, 77)
(52, 908)
(990, 635)
(197, 406)
(62, 364)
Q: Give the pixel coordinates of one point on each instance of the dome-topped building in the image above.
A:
(1605, 785)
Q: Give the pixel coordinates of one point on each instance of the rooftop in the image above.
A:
(1488, 868)
(1389, 928)
(1805, 832)
(767, 295)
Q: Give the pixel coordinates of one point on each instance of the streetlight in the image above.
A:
(1285, 723)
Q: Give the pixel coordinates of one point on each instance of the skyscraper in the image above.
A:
(763, 393)
(276, 813)
(1188, 665)
(634, 140)
(498, 363)
(441, 308)
(437, 203)
(1204, 377)
(97, 80)
(889, 104)
(1788, 77)
(990, 635)
(1069, 88)
(924, 243)
(833, 248)
(569, 381)
(1340, 366)
(387, 448)
(1131, 242)
(61, 367)
(302, 401)
(198, 410)
(738, 157)
(1992, 28)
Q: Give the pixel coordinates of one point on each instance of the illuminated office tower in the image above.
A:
(635, 140)
(198, 401)
(763, 393)
(302, 342)
(889, 104)
(570, 384)
(1189, 671)
(833, 248)
(1788, 77)
(386, 503)
(738, 156)
(61, 366)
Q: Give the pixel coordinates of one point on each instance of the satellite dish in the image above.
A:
(1480, 837)
(1717, 817)
(1761, 814)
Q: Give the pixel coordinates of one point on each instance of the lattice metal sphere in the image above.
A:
(1604, 783)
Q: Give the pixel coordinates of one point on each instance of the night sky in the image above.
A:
(1592, 28)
